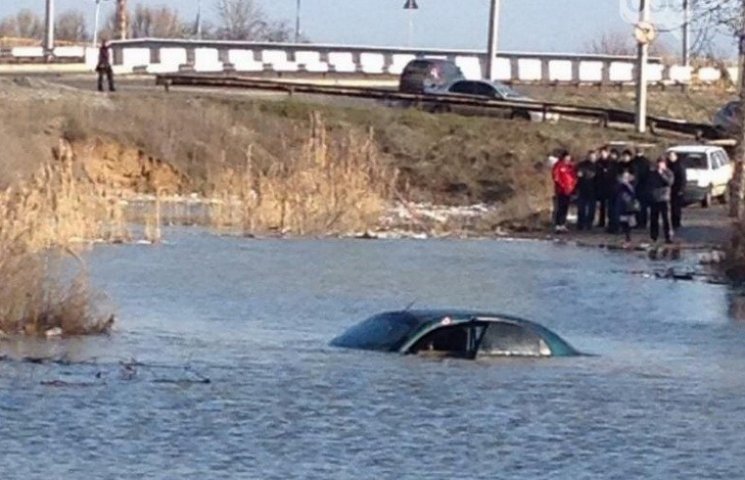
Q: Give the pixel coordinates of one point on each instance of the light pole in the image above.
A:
(411, 5)
(95, 23)
(644, 35)
(491, 52)
(686, 32)
(297, 22)
(49, 30)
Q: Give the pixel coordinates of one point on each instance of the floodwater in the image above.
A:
(662, 397)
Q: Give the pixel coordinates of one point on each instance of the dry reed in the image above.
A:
(328, 185)
(40, 220)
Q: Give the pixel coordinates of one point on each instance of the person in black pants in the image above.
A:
(677, 199)
(603, 184)
(587, 172)
(103, 68)
(660, 184)
(641, 168)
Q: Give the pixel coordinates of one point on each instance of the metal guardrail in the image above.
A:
(604, 116)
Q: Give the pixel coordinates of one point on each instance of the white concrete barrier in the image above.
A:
(135, 58)
(244, 61)
(170, 60)
(621, 72)
(278, 61)
(253, 57)
(560, 71)
(680, 74)
(734, 75)
(342, 62)
(311, 62)
(591, 72)
(656, 73)
(27, 51)
(503, 69)
(529, 70)
(470, 66)
(399, 63)
(76, 52)
(709, 75)
(207, 60)
(372, 63)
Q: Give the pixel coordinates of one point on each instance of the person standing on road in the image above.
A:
(660, 184)
(103, 68)
(641, 168)
(565, 182)
(587, 178)
(603, 184)
(616, 169)
(678, 190)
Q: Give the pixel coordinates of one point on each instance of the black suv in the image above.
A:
(423, 74)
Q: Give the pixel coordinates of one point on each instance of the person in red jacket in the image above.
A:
(565, 182)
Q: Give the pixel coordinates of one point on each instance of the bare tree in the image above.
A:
(24, 24)
(614, 43)
(70, 26)
(620, 43)
(240, 20)
(159, 22)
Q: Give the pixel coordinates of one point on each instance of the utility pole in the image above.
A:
(491, 53)
(121, 19)
(49, 31)
(297, 22)
(641, 65)
(737, 193)
(686, 33)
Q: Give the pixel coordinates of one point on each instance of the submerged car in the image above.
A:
(459, 334)
(488, 90)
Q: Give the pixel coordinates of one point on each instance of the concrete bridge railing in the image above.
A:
(153, 56)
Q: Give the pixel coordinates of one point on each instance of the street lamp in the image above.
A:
(49, 31)
(95, 22)
(645, 34)
(491, 51)
(297, 22)
(411, 5)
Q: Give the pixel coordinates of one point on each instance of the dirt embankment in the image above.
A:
(145, 141)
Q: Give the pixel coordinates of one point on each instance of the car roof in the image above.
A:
(695, 149)
(429, 316)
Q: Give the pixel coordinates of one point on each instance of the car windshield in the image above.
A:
(696, 161)
(507, 92)
(387, 332)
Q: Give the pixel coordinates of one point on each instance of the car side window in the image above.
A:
(461, 87)
(723, 159)
(484, 90)
(713, 161)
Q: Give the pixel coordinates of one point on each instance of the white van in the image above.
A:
(709, 171)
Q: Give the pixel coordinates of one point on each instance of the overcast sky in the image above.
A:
(527, 25)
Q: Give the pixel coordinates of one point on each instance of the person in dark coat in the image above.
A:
(626, 203)
(603, 186)
(660, 184)
(587, 175)
(641, 169)
(103, 68)
(616, 169)
(677, 199)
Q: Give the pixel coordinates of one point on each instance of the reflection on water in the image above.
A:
(661, 400)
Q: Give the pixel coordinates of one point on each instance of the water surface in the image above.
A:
(662, 398)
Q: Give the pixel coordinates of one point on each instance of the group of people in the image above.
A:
(620, 191)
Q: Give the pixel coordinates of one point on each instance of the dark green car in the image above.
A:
(461, 334)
